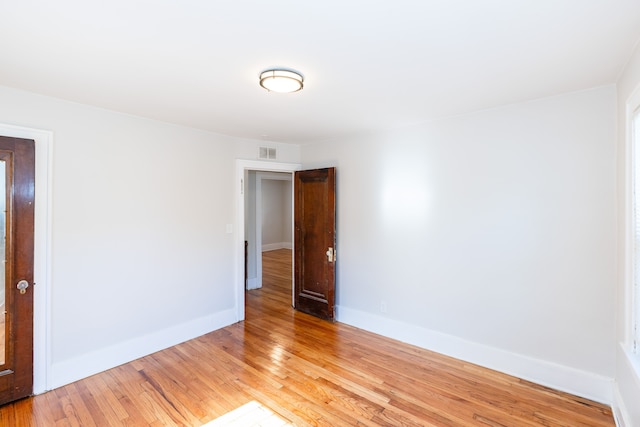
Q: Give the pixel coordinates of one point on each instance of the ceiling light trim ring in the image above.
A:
(281, 80)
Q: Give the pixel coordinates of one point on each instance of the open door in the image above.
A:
(314, 241)
(17, 182)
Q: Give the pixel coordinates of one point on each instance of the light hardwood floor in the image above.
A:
(306, 371)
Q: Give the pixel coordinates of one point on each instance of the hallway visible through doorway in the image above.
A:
(276, 281)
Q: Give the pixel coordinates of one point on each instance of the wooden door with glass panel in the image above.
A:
(17, 182)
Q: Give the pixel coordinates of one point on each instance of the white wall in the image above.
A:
(287, 214)
(271, 212)
(489, 237)
(141, 257)
(627, 390)
(276, 214)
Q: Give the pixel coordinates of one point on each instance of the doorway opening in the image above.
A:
(269, 238)
(268, 219)
(256, 172)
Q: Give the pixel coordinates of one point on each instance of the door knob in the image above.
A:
(330, 255)
(22, 286)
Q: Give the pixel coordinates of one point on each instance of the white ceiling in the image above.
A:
(368, 64)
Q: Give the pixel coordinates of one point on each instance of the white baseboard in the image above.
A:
(254, 283)
(275, 246)
(559, 377)
(620, 413)
(68, 371)
(626, 390)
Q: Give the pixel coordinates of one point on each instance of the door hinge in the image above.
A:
(241, 186)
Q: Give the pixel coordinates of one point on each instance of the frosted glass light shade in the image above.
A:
(282, 81)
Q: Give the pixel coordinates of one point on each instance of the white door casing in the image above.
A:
(241, 167)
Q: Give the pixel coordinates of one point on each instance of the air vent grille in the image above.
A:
(267, 153)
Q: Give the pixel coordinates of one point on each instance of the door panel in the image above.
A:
(17, 159)
(314, 242)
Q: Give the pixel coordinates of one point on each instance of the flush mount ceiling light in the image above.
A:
(281, 80)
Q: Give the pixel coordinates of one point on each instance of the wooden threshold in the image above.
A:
(305, 372)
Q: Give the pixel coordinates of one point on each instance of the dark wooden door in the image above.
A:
(314, 241)
(17, 175)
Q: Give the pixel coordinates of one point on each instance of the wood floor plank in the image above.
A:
(306, 371)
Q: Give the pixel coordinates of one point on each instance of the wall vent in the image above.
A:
(267, 153)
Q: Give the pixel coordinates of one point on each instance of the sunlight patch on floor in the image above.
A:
(253, 414)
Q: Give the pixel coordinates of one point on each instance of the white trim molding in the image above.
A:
(42, 252)
(626, 391)
(275, 246)
(630, 291)
(85, 365)
(559, 377)
(252, 283)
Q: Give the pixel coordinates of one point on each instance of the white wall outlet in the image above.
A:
(383, 306)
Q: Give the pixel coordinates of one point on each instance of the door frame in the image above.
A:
(260, 177)
(241, 167)
(42, 252)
